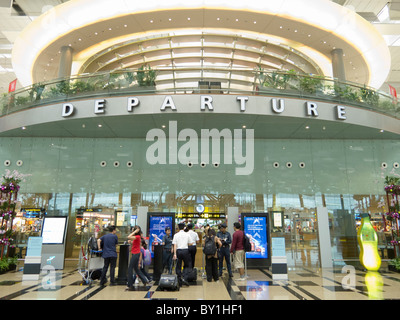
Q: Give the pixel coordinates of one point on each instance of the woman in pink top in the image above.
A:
(135, 237)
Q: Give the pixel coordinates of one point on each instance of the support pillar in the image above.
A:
(338, 65)
(64, 69)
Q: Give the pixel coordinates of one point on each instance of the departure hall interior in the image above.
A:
(280, 115)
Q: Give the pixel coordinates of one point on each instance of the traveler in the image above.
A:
(237, 249)
(135, 237)
(195, 239)
(224, 251)
(142, 268)
(211, 240)
(181, 242)
(168, 250)
(108, 244)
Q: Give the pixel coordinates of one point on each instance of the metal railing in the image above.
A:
(199, 80)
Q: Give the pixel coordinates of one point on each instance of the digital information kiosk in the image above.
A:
(256, 226)
(53, 234)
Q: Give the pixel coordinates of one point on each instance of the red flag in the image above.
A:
(12, 86)
(393, 91)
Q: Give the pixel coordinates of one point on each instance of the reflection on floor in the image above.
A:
(303, 284)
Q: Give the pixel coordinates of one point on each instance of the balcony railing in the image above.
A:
(200, 80)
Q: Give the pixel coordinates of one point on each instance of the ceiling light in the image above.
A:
(217, 19)
(99, 125)
(244, 127)
(382, 131)
(237, 20)
(163, 126)
(255, 22)
(125, 25)
(23, 128)
(151, 21)
(307, 127)
(189, 19)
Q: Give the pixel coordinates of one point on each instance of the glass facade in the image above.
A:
(71, 176)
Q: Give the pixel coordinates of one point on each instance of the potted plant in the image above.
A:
(394, 265)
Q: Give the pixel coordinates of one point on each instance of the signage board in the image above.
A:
(53, 230)
(256, 226)
(157, 223)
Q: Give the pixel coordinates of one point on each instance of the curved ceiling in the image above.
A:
(302, 32)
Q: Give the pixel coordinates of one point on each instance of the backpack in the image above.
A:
(246, 243)
(209, 246)
(92, 244)
(147, 257)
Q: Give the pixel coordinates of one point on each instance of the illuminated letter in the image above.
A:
(341, 112)
(206, 101)
(168, 103)
(242, 102)
(281, 107)
(312, 109)
(67, 110)
(132, 102)
(99, 106)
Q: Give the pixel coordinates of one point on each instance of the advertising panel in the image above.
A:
(157, 224)
(256, 229)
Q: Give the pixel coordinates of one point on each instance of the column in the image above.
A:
(324, 238)
(64, 69)
(338, 65)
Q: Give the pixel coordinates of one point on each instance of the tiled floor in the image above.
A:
(303, 284)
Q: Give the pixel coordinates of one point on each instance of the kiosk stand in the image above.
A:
(53, 234)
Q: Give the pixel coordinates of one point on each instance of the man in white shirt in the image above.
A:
(181, 242)
(195, 239)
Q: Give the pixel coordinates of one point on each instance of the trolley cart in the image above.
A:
(92, 266)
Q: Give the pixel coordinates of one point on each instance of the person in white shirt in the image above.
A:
(181, 243)
(195, 239)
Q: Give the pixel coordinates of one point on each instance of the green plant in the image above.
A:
(21, 100)
(81, 86)
(129, 77)
(369, 96)
(35, 93)
(146, 76)
(395, 262)
(6, 263)
(310, 84)
(346, 92)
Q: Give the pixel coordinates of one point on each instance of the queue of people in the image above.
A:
(181, 248)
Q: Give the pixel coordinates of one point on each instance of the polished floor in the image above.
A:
(303, 283)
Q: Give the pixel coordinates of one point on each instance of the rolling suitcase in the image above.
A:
(169, 282)
(191, 275)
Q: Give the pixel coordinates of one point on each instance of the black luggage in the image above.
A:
(191, 275)
(95, 274)
(168, 282)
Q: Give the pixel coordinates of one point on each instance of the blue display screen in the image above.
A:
(256, 229)
(157, 225)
